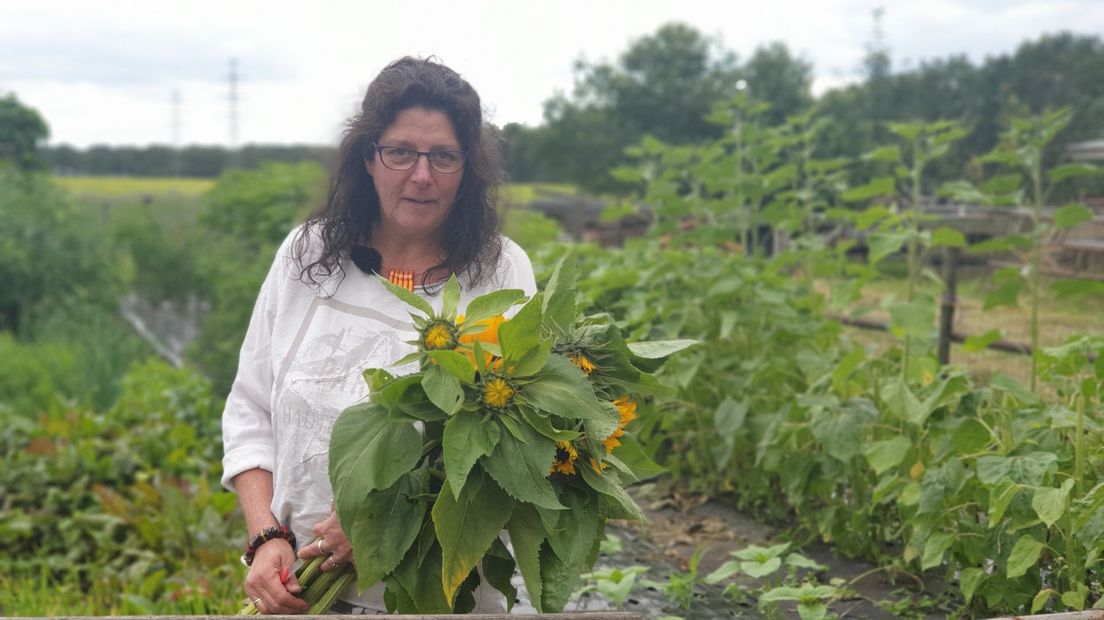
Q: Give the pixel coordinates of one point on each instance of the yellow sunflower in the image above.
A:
(612, 442)
(439, 335)
(626, 407)
(497, 392)
(489, 335)
(583, 362)
(565, 458)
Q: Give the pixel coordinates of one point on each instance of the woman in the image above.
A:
(412, 199)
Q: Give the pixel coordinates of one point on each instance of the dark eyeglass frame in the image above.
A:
(378, 148)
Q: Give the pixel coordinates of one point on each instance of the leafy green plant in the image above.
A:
(885, 455)
(680, 587)
(810, 598)
(899, 222)
(1028, 180)
(119, 511)
(761, 563)
(614, 584)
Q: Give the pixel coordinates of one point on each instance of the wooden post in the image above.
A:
(947, 304)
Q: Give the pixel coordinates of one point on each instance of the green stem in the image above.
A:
(309, 571)
(913, 247)
(1036, 265)
(1079, 445)
(318, 588)
(330, 595)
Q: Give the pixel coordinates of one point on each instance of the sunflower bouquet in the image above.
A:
(512, 424)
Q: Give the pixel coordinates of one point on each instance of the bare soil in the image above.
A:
(680, 524)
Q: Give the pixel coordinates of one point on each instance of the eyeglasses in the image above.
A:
(400, 158)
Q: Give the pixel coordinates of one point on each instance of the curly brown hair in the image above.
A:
(470, 243)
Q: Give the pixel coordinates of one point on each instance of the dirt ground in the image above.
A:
(679, 524)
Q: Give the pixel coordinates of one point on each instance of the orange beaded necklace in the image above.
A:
(401, 278)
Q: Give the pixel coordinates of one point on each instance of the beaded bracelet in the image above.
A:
(266, 535)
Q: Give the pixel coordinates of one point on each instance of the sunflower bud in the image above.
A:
(498, 392)
(439, 335)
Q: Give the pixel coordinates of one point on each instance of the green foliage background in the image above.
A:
(110, 467)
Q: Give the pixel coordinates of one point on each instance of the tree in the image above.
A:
(48, 257)
(521, 155)
(776, 77)
(664, 85)
(1051, 72)
(22, 130)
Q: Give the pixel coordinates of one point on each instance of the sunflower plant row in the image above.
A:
(510, 424)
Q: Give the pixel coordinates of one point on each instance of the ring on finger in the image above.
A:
(319, 545)
(333, 562)
(257, 603)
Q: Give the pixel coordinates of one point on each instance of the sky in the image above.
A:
(110, 72)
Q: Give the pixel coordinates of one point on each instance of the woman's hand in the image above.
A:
(329, 540)
(271, 583)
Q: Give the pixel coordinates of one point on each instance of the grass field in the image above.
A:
(105, 201)
(114, 187)
(108, 187)
(1059, 320)
(524, 193)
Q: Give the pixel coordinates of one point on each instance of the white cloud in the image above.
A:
(102, 75)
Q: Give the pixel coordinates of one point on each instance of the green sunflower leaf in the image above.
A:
(408, 297)
(450, 298)
(467, 437)
(562, 389)
(543, 425)
(881, 186)
(526, 535)
(383, 528)
(369, 451)
(600, 428)
(559, 297)
(659, 349)
(496, 302)
(633, 456)
(420, 407)
(456, 363)
(521, 469)
(521, 333)
(420, 580)
(945, 236)
(558, 581)
(443, 389)
(605, 341)
(408, 358)
(607, 484)
(498, 568)
(466, 526)
(563, 564)
(377, 378)
(388, 391)
(1071, 215)
(533, 361)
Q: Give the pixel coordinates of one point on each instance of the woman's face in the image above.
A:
(416, 202)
